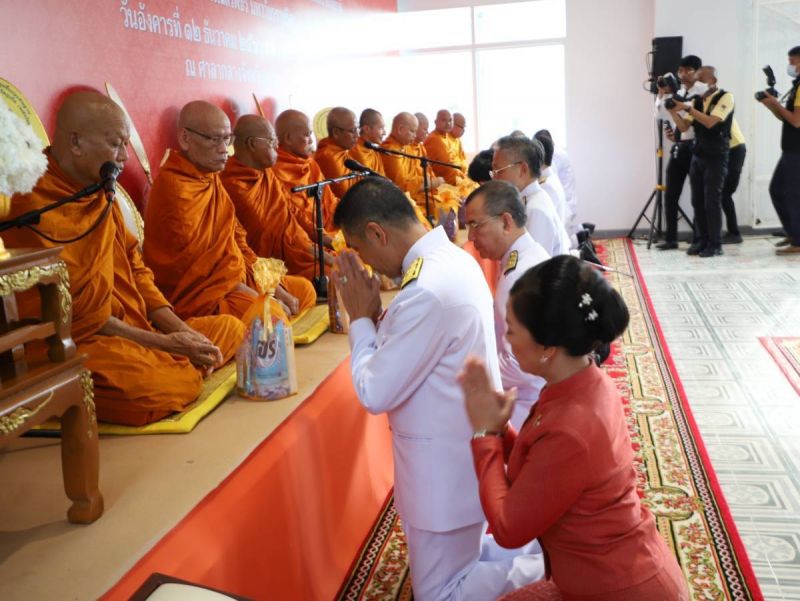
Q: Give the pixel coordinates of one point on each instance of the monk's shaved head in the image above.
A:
(204, 132)
(459, 124)
(255, 142)
(404, 128)
(342, 127)
(90, 130)
(294, 133)
(373, 128)
(444, 121)
(422, 127)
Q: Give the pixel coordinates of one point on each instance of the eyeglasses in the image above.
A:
(271, 142)
(476, 225)
(214, 140)
(493, 172)
(353, 131)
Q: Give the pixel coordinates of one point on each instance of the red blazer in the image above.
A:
(571, 484)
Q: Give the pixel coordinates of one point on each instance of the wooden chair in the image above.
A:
(35, 387)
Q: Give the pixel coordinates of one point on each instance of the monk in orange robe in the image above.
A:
(146, 362)
(261, 203)
(296, 167)
(459, 156)
(373, 130)
(441, 146)
(335, 149)
(403, 171)
(195, 246)
(422, 127)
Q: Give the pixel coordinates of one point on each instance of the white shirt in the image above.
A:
(407, 367)
(528, 253)
(563, 168)
(662, 113)
(543, 222)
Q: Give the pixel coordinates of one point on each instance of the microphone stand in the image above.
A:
(425, 161)
(315, 191)
(34, 217)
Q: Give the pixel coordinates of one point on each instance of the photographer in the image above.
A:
(784, 189)
(711, 117)
(681, 153)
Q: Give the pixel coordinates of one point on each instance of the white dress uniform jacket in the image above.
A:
(552, 185)
(543, 223)
(407, 367)
(523, 254)
(563, 167)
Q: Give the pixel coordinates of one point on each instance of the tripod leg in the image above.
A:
(681, 213)
(655, 219)
(642, 214)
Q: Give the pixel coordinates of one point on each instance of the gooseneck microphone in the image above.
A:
(354, 165)
(109, 172)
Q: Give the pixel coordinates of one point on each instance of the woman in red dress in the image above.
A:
(567, 479)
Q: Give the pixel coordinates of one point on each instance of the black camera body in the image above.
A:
(669, 103)
(760, 95)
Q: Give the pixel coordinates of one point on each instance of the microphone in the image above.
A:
(354, 165)
(108, 177)
(373, 146)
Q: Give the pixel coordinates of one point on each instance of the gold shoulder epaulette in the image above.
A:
(412, 273)
(511, 264)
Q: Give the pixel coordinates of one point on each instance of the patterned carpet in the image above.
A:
(676, 478)
(785, 350)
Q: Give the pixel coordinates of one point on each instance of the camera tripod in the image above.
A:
(656, 217)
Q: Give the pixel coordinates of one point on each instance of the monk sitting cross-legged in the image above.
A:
(297, 167)
(262, 205)
(195, 246)
(146, 362)
(335, 149)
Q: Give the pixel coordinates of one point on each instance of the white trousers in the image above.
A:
(466, 565)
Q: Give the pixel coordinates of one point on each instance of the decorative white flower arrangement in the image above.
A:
(21, 160)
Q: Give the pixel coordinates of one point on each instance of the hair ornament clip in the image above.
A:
(586, 300)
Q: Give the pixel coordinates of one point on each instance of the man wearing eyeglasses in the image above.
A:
(296, 167)
(335, 149)
(195, 246)
(518, 161)
(496, 219)
(262, 205)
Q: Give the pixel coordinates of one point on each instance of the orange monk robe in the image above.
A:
(441, 147)
(368, 157)
(133, 384)
(459, 156)
(292, 171)
(262, 207)
(331, 157)
(407, 173)
(196, 247)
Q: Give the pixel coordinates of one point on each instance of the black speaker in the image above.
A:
(666, 57)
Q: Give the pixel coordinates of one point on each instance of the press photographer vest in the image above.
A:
(713, 141)
(790, 136)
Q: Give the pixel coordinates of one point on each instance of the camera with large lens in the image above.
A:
(761, 95)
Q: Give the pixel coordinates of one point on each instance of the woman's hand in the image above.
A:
(487, 408)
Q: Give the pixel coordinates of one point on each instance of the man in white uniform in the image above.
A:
(549, 179)
(404, 363)
(518, 161)
(562, 167)
(496, 226)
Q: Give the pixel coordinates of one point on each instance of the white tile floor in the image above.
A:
(712, 312)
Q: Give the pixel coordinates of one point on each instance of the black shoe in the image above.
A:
(779, 233)
(710, 251)
(667, 245)
(696, 248)
(730, 238)
(588, 226)
(582, 236)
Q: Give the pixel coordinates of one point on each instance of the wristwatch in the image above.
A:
(483, 433)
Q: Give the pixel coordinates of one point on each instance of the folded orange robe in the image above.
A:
(262, 207)
(443, 147)
(196, 247)
(367, 157)
(133, 384)
(331, 157)
(292, 171)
